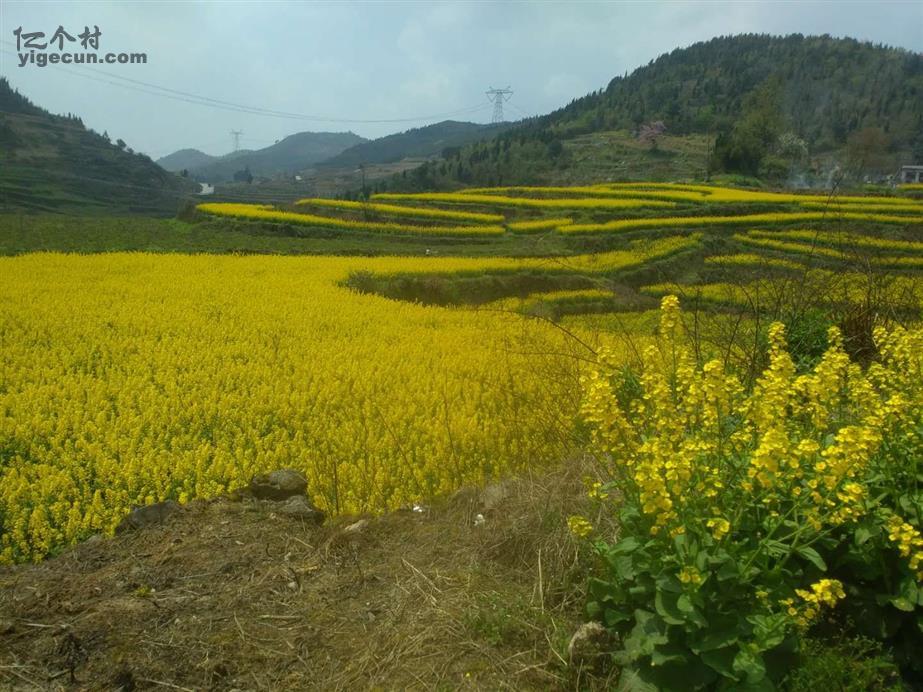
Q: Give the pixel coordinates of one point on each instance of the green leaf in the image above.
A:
(626, 545)
(669, 653)
(665, 603)
(728, 571)
(768, 630)
(624, 567)
(813, 557)
(908, 589)
(684, 603)
(722, 632)
(749, 664)
(648, 632)
(863, 534)
(902, 603)
(630, 681)
(721, 661)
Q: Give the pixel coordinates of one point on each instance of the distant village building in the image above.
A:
(911, 174)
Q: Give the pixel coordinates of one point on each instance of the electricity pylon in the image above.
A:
(497, 97)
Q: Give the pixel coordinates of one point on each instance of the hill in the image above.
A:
(185, 159)
(294, 153)
(829, 93)
(420, 142)
(54, 163)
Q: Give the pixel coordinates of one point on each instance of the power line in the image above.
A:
(197, 99)
(235, 135)
(497, 97)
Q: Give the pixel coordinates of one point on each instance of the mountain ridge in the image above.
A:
(289, 155)
(54, 163)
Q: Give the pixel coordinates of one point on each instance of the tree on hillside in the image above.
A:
(867, 151)
(650, 132)
(753, 135)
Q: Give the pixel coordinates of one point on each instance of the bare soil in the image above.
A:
(229, 595)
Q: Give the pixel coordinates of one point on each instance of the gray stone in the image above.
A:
(149, 515)
(590, 643)
(299, 506)
(278, 485)
(357, 527)
(493, 495)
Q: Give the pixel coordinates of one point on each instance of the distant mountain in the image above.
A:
(185, 159)
(54, 163)
(294, 153)
(421, 142)
(821, 89)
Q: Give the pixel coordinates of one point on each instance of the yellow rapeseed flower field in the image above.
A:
(525, 202)
(133, 378)
(741, 219)
(397, 210)
(262, 212)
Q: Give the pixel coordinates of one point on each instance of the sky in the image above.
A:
(374, 68)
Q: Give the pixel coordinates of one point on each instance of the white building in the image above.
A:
(911, 174)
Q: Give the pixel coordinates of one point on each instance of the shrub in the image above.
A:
(748, 516)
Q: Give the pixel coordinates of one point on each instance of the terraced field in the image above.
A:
(134, 378)
(740, 238)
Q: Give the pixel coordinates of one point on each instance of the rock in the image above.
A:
(150, 515)
(94, 539)
(590, 643)
(479, 519)
(357, 527)
(278, 485)
(299, 506)
(493, 495)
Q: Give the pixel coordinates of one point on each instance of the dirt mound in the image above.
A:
(480, 590)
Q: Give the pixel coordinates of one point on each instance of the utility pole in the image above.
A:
(235, 135)
(497, 97)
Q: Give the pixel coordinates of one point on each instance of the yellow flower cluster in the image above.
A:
(690, 575)
(825, 593)
(808, 440)
(579, 526)
(909, 542)
(262, 212)
(397, 210)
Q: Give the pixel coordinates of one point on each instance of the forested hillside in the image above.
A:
(431, 140)
(53, 163)
(744, 92)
